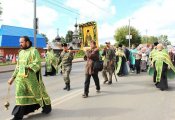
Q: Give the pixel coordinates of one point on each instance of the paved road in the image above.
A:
(132, 98)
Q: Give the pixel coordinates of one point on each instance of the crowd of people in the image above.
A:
(118, 61)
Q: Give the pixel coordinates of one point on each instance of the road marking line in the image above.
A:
(61, 100)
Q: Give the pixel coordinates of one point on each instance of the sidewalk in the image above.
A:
(9, 68)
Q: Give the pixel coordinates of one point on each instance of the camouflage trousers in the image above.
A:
(66, 72)
(106, 70)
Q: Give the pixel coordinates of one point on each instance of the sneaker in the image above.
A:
(85, 95)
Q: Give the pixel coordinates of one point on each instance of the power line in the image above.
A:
(96, 6)
(64, 5)
(56, 4)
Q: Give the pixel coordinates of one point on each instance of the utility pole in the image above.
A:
(129, 35)
(35, 24)
(146, 37)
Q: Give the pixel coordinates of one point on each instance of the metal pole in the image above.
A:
(146, 37)
(34, 24)
(129, 34)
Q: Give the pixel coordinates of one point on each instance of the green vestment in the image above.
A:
(158, 58)
(30, 88)
(119, 53)
(51, 60)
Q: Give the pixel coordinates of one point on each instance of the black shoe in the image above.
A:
(98, 91)
(16, 118)
(85, 95)
(110, 82)
(68, 87)
(65, 88)
(45, 75)
(46, 109)
(53, 75)
(105, 81)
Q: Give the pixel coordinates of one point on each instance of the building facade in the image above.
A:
(9, 39)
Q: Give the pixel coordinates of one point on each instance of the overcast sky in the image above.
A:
(155, 16)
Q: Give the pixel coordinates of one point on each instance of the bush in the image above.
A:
(79, 54)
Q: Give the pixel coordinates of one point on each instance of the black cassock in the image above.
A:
(163, 84)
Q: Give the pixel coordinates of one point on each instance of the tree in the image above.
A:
(120, 35)
(63, 39)
(164, 40)
(149, 39)
(69, 36)
(102, 47)
(44, 35)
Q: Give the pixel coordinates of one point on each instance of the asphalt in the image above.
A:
(133, 97)
(9, 68)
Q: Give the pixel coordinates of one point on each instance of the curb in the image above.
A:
(10, 70)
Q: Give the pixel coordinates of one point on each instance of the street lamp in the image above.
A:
(129, 34)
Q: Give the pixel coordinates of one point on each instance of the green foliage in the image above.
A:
(149, 39)
(164, 40)
(79, 54)
(102, 47)
(120, 35)
(69, 36)
(45, 36)
(63, 39)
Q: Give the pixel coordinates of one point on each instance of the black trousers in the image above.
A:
(137, 65)
(87, 82)
(132, 67)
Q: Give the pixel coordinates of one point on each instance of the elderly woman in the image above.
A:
(162, 66)
(144, 59)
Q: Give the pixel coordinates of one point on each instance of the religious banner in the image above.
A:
(88, 32)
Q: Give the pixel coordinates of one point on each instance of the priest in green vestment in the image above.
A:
(120, 61)
(30, 90)
(51, 66)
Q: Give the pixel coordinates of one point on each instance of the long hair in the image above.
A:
(27, 39)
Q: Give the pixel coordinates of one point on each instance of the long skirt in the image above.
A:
(20, 110)
(126, 69)
(121, 71)
(163, 84)
(52, 73)
(143, 65)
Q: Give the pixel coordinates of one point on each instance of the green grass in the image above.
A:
(7, 63)
(79, 54)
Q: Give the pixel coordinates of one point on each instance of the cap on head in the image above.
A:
(120, 45)
(107, 42)
(156, 43)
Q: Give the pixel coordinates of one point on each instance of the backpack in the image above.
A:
(98, 65)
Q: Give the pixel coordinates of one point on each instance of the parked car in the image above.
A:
(2, 59)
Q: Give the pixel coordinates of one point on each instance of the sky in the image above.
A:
(154, 16)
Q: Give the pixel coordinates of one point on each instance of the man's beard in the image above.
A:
(24, 47)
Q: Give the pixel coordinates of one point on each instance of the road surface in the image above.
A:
(133, 97)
